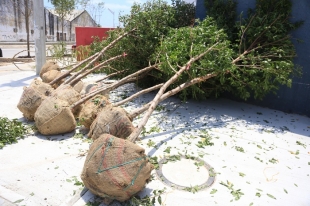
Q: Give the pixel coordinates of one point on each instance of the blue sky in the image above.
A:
(105, 16)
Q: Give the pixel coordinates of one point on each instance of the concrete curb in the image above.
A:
(3, 59)
(32, 43)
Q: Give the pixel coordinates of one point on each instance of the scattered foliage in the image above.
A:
(11, 131)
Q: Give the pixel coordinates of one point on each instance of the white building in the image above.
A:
(13, 26)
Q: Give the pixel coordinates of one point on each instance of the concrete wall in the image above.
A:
(12, 21)
(297, 98)
(53, 27)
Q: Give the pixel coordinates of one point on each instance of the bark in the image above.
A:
(134, 136)
(111, 75)
(100, 54)
(64, 75)
(91, 60)
(170, 93)
(137, 95)
(27, 25)
(123, 81)
(81, 75)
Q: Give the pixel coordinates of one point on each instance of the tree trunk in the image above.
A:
(27, 25)
(134, 135)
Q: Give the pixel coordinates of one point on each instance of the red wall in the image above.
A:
(83, 34)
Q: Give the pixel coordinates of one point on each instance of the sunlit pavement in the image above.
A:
(259, 156)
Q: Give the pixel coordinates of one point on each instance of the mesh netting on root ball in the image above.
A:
(54, 116)
(32, 98)
(111, 120)
(115, 168)
(91, 108)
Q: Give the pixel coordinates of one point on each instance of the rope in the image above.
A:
(99, 147)
(105, 151)
(120, 165)
(109, 144)
(135, 177)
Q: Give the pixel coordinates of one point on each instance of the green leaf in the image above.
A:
(271, 196)
(159, 200)
(241, 174)
(213, 191)
(285, 191)
(18, 201)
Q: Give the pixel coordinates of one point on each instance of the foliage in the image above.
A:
(63, 7)
(237, 194)
(152, 21)
(224, 13)
(250, 57)
(184, 13)
(263, 48)
(184, 43)
(61, 54)
(145, 201)
(11, 131)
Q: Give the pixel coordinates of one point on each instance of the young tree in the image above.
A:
(63, 8)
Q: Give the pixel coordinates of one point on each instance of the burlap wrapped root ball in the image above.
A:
(78, 86)
(49, 76)
(115, 168)
(48, 66)
(91, 108)
(69, 94)
(32, 97)
(54, 116)
(90, 87)
(111, 120)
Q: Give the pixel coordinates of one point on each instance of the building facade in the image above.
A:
(13, 24)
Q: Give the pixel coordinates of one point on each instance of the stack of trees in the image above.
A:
(158, 51)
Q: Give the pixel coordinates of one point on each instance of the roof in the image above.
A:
(75, 13)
